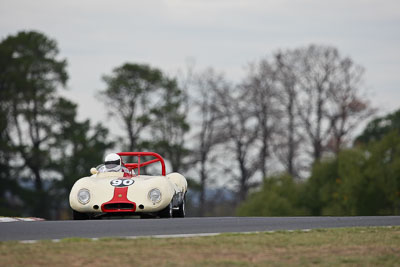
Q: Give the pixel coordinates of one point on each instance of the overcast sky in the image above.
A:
(97, 35)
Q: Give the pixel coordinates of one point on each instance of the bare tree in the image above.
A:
(289, 139)
(204, 87)
(317, 73)
(259, 91)
(240, 130)
(347, 107)
(288, 107)
(329, 102)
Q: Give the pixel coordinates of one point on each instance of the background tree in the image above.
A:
(31, 75)
(379, 127)
(383, 178)
(151, 108)
(360, 181)
(9, 186)
(279, 196)
(259, 89)
(206, 117)
(289, 129)
(363, 180)
(329, 102)
(168, 125)
(348, 108)
(39, 131)
(316, 79)
(79, 147)
(129, 98)
(240, 130)
(322, 188)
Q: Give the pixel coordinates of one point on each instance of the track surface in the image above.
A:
(150, 227)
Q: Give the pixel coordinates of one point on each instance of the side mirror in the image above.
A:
(93, 171)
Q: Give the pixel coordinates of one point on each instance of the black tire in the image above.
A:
(166, 212)
(80, 216)
(181, 211)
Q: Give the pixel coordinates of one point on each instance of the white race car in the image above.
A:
(129, 193)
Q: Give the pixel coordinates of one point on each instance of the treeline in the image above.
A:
(43, 147)
(363, 180)
(292, 110)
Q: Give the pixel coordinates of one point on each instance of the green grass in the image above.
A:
(373, 246)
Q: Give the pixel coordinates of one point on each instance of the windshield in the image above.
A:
(115, 168)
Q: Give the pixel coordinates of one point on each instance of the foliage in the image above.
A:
(279, 196)
(30, 75)
(321, 186)
(128, 98)
(379, 127)
(383, 174)
(80, 146)
(169, 126)
(38, 127)
(359, 181)
(148, 103)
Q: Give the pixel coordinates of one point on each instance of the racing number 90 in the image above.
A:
(121, 182)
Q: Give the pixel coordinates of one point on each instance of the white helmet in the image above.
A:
(112, 162)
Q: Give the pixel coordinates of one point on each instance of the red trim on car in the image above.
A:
(119, 202)
(127, 175)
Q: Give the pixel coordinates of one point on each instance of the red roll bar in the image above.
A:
(132, 166)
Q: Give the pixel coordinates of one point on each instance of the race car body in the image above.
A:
(129, 193)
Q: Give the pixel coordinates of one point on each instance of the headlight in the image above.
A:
(154, 195)
(83, 196)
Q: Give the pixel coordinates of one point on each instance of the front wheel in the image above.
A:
(166, 212)
(181, 211)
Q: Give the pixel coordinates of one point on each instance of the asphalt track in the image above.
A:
(180, 226)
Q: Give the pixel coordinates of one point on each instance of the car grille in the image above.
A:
(119, 206)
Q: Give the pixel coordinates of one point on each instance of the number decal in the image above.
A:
(117, 182)
(127, 182)
(122, 182)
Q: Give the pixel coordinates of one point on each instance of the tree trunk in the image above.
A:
(202, 199)
(291, 144)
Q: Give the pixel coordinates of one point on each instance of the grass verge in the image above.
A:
(371, 246)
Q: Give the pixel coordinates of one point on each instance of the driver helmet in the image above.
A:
(112, 162)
